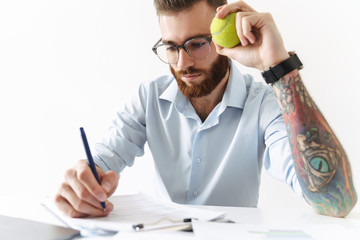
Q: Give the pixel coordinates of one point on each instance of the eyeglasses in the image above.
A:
(197, 47)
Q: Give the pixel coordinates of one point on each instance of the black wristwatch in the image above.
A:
(273, 74)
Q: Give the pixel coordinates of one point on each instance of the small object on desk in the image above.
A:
(224, 220)
(90, 160)
(18, 228)
(184, 225)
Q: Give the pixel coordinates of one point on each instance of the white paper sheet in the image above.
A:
(155, 235)
(136, 209)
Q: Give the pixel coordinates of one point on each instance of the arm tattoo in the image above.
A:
(321, 163)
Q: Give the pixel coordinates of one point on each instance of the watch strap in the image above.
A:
(273, 74)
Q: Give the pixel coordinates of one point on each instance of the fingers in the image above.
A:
(109, 182)
(79, 188)
(261, 42)
(88, 180)
(248, 24)
(239, 6)
(80, 194)
(69, 203)
(243, 25)
(218, 47)
(240, 24)
(64, 206)
(80, 209)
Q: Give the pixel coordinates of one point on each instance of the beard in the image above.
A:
(213, 77)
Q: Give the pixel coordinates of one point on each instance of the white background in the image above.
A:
(66, 64)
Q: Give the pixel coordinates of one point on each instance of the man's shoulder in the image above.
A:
(256, 88)
(262, 96)
(249, 83)
(158, 85)
(252, 90)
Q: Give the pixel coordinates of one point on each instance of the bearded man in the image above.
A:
(210, 129)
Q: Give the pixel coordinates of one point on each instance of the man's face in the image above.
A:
(196, 78)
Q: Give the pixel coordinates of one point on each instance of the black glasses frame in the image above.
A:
(178, 47)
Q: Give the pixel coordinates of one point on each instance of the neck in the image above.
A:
(204, 105)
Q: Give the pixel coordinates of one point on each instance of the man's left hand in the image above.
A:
(261, 43)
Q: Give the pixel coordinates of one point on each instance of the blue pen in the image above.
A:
(90, 160)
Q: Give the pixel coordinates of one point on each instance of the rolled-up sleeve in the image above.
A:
(126, 136)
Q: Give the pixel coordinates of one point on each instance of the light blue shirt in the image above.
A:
(215, 162)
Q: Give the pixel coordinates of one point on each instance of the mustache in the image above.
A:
(189, 71)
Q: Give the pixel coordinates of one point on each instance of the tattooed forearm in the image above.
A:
(321, 163)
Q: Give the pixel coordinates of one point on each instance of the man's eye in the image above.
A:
(170, 48)
(196, 45)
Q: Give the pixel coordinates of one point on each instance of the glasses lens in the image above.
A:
(167, 53)
(198, 48)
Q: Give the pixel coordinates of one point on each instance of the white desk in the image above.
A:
(30, 208)
(286, 216)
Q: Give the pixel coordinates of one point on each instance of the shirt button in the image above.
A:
(195, 193)
(198, 160)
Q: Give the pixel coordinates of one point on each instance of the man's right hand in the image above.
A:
(80, 194)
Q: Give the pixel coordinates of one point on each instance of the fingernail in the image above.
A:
(110, 207)
(243, 42)
(107, 186)
(252, 40)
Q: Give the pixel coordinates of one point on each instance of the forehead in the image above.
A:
(188, 23)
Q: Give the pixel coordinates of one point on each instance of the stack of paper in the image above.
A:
(136, 209)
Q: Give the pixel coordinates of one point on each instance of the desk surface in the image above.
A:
(282, 216)
(31, 208)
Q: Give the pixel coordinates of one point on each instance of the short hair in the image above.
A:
(170, 7)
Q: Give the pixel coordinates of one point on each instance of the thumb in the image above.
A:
(109, 182)
(228, 52)
(217, 47)
(221, 50)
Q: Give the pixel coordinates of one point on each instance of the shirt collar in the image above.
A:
(235, 92)
(174, 95)
(234, 95)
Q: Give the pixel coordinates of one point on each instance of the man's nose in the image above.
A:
(185, 60)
